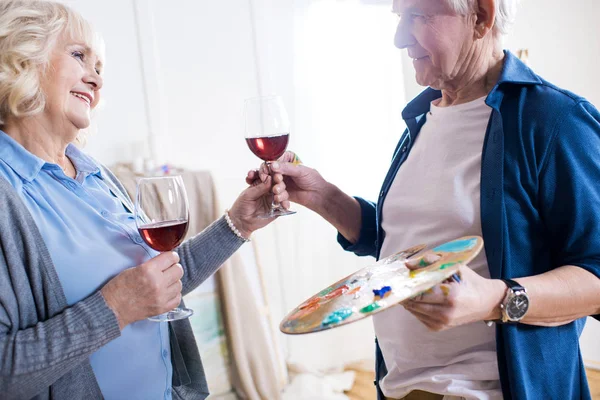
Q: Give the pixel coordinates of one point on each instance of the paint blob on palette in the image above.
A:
(382, 285)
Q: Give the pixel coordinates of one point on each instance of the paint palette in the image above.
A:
(381, 286)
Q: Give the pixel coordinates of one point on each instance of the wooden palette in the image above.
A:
(378, 287)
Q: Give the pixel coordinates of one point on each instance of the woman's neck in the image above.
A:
(35, 137)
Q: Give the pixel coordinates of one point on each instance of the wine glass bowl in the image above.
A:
(162, 216)
(267, 133)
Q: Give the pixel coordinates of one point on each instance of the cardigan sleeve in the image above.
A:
(37, 344)
(202, 255)
(570, 189)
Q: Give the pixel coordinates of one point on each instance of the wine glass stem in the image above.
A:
(274, 204)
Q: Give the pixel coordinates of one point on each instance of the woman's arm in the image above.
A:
(33, 358)
(202, 255)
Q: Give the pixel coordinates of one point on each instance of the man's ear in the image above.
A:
(486, 16)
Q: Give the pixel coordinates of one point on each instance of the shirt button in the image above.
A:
(165, 353)
(404, 149)
(105, 213)
(139, 240)
(168, 392)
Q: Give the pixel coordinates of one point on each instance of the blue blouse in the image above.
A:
(91, 238)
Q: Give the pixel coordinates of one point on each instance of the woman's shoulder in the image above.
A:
(10, 180)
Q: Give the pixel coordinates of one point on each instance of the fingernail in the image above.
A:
(275, 165)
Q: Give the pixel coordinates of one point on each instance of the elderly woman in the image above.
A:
(491, 149)
(76, 281)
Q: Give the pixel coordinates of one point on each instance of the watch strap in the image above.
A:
(514, 286)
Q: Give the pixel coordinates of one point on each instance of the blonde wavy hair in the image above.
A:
(29, 30)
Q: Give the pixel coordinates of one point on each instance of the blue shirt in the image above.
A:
(540, 209)
(91, 238)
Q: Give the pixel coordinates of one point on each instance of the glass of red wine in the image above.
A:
(161, 215)
(267, 134)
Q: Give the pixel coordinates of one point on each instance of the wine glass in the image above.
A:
(161, 216)
(267, 134)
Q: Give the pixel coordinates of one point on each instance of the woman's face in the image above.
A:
(72, 84)
(437, 40)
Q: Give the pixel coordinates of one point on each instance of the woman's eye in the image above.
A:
(78, 54)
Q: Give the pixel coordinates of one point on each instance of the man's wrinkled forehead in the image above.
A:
(405, 6)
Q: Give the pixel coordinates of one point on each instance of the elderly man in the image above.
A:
(491, 149)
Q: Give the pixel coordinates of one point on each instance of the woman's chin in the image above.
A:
(80, 123)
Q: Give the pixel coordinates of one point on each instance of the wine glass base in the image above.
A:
(173, 315)
(276, 213)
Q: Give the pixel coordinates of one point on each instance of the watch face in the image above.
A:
(517, 307)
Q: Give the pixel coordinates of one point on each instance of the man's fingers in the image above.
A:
(282, 197)
(288, 157)
(421, 262)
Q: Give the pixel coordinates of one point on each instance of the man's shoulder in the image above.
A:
(544, 101)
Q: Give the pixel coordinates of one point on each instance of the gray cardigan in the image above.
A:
(45, 345)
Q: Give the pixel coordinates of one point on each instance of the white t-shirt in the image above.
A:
(433, 199)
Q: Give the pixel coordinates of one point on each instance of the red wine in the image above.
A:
(164, 236)
(268, 148)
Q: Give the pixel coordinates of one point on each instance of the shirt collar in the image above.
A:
(82, 162)
(28, 165)
(514, 71)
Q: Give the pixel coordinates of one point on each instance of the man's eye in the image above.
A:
(410, 17)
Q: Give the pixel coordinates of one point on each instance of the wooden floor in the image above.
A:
(594, 380)
(365, 390)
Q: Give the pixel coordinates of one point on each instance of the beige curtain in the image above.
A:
(257, 371)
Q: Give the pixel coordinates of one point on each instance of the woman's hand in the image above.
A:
(454, 303)
(305, 185)
(255, 201)
(149, 289)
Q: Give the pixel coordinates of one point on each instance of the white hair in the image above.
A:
(506, 11)
(29, 30)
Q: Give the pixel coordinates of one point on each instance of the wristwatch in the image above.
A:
(515, 303)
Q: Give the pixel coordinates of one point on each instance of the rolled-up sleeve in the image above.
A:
(570, 189)
(367, 241)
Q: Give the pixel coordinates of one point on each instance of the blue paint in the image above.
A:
(381, 292)
(457, 246)
(337, 316)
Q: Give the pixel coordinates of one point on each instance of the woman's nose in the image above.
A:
(94, 79)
